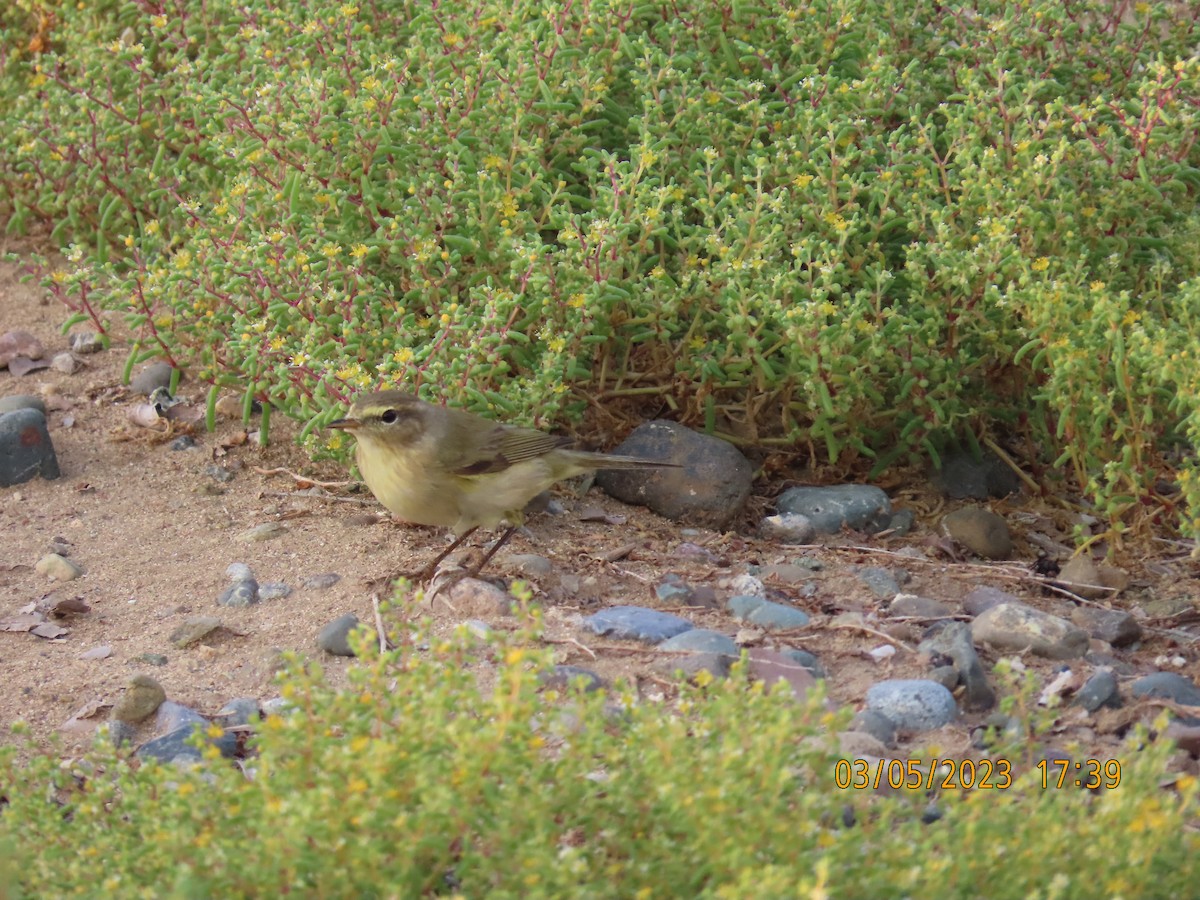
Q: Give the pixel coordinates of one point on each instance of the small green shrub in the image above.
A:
(848, 225)
(412, 781)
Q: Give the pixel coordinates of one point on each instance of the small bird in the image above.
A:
(432, 465)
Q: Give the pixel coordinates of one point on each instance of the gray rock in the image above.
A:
(52, 565)
(474, 597)
(179, 746)
(912, 704)
(983, 598)
(979, 530)
(194, 629)
(86, 342)
(788, 528)
(875, 724)
(562, 678)
(22, 401)
(902, 522)
(918, 607)
(879, 581)
(709, 489)
(219, 474)
(1014, 626)
(963, 477)
(772, 615)
(1167, 607)
(771, 667)
(1099, 690)
(637, 623)
(1167, 686)
(65, 362)
(529, 564)
(478, 628)
(263, 532)
(239, 571)
(335, 637)
(320, 582)
(141, 698)
(953, 640)
(18, 345)
(239, 711)
(946, 676)
(702, 640)
(25, 448)
(242, 593)
(1115, 626)
(691, 665)
(861, 507)
(786, 573)
(274, 590)
(741, 605)
(119, 733)
(154, 376)
(1091, 580)
(804, 658)
(153, 659)
(171, 715)
(183, 442)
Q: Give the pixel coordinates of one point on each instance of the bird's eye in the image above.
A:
(389, 416)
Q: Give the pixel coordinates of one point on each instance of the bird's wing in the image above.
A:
(502, 446)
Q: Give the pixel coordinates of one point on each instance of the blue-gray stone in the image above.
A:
(902, 522)
(637, 623)
(953, 640)
(274, 590)
(775, 615)
(151, 378)
(239, 711)
(562, 678)
(25, 448)
(701, 640)
(1099, 690)
(743, 604)
(879, 581)
(674, 592)
(321, 582)
(875, 724)
(335, 637)
(184, 442)
(1167, 686)
(806, 659)
(962, 477)
(22, 401)
(912, 704)
(709, 489)
(177, 746)
(242, 593)
(171, 716)
(862, 507)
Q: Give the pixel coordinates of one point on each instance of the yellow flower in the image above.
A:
(1041, 264)
(358, 251)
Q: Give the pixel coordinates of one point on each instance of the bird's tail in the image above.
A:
(587, 460)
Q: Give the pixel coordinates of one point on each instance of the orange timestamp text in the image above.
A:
(970, 774)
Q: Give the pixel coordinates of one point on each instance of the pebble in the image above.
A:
(788, 528)
(709, 489)
(983, 598)
(103, 651)
(17, 345)
(65, 362)
(52, 565)
(153, 659)
(194, 629)
(804, 658)
(274, 590)
(716, 664)
(786, 573)
(239, 571)
(918, 607)
(478, 598)
(963, 477)
(1014, 626)
(1099, 690)
(1115, 626)
(22, 401)
(320, 582)
(741, 605)
(1167, 686)
(86, 342)
(771, 667)
(946, 676)
(636, 623)
(141, 698)
(562, 678)
(979, 530)
(862, 507)
(1091, 580)
(529, 564)
(171, 715)
(154, 376)
(954, 641)
(902, 522)
(674, 591)
(875, 724)
(183, 442)
(912, 704)
(701, 640)
(263, 532)
(769, 614)
(335, 637)
(25, 448)
(239, 711)
(241, 593)
(879, 581)
(220, 474)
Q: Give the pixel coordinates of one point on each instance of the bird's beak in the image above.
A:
(345, 424)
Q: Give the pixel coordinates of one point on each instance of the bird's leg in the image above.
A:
(430, 570)
(492, 552)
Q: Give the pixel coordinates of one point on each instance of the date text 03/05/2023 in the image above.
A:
(971, 774)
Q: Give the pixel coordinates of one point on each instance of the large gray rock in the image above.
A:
(979, 530)
(862, 507)
(709, 489)
(1014, 626)
(912, 704)
(25, 448)
(953, 640)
